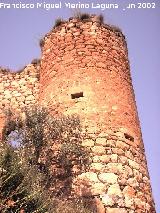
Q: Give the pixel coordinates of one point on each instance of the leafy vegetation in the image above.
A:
(36, 61)
(41, 42)
(100, 18)
(82, 16)
(58, 22)
(36, 175)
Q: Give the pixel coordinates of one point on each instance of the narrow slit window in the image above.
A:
(129, 137)
(77, 95)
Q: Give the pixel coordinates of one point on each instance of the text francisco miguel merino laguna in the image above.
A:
(58, 5)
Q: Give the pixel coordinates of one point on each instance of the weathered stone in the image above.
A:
(107, 200)
(128, 171)
(110, 143)
(116, 210)
(116, 168)
(105, 158)
(108, 178)
(8, 96)
(15, 84)
(139, 203)
(114, 158)
(129, 194)
(89, 176)
(129, 202)
(133, 164)
(132, 182)
(123, 159)
(122, 145)
(129, 191)
(98, 188)
(71, 25)
(99, 150)
(96, 159)
(114, 190)
(101, 64)
(101, 141)
(100, 41)
(103, 134)
(88, 142)
(96, 167)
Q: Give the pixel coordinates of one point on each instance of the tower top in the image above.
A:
(79, 20)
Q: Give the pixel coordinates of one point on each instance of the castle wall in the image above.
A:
(92, 60)
(18, 90)
(85, 71)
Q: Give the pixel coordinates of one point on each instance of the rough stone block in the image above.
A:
(114, 190)
(108, 178)
(88, 143)
(101, 141)
(116, 210)
(96, 167)
(99, 150)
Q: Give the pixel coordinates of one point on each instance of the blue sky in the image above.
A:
(21, 30)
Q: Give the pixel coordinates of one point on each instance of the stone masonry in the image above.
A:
(18, 90)
(85, 70)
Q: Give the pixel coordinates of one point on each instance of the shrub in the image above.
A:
(82, 16)
(36, 61)
(5, 70)
(58, 22)
(41, 42)
(100, 19)
(114, 29)
(21, 186)
(48, 150)
(75, 206)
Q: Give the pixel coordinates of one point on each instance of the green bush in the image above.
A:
(27, 180)
(21, 185)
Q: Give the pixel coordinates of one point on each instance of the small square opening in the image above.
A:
(77, 95)
(129, 137)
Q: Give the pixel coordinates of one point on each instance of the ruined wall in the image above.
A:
(18, 90)
(85, 71)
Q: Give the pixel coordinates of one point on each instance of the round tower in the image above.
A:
(85, 71)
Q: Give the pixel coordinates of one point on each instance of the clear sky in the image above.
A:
(21, 30)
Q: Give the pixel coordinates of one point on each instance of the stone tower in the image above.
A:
(85, 71)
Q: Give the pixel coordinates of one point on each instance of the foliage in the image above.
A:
(41, 42)
(86, 17)
(101, 18)
(82, 16)
(58, 22)
(21, 185)
(32, 172)
(36, 61)
(76, 206)
(114, 29)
